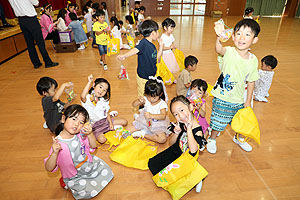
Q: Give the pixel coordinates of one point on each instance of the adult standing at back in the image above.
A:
(31, 29)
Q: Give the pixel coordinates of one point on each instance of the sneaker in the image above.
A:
(81, 47)
(113, 113)
(101, 62)
(45, 125)
(202, 148)
(211, 145)
(260, 98)
(105, 67)
(140, 133)
(245, 146)
(53, 64)
(199, 187)
(268, 94)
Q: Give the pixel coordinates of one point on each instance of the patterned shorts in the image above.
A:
(222, 113)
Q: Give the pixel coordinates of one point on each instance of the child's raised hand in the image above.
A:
(90, 78)
(121, 57)
(177, 128)
(55, 146)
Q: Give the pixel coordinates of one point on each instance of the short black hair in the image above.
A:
(168, 22)
(252, 24)
(129, 19)
(199, 83)
(73, 16)
(190, 60)
(137, 2)
(99, 13)
(104, 5)
(95, 6)
(85, 10)
(142, 8)
(147, 27)
(270, 60)
(115, 21)
(249, 10)
(120, 22)
(44, 84)
(89, 3)
(61, 13)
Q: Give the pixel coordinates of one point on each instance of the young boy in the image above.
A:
(136, 10)
(266, 73)
(238, 66)
(185, 78)
(52, 106)
(141, 17)
(101, 29)
(147, 54)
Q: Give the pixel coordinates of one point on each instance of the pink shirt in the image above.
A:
(64, 160)
(68, 19)
(46, 25)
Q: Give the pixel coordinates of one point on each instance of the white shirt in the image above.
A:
(117, 34)
(140, 17)
(89, 21)
(97, 112)
(156, 108)
(61, 26)
(167, 41)
(24, 7)
(263, 84)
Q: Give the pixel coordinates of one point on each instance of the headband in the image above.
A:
(164, 87)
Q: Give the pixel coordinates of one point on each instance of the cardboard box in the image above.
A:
(66, 47)
(66, 36)
(216, 14)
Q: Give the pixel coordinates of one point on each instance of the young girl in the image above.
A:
(79, 34)
(152, 122)
(48, 27)
(104, 8)
(84, 174)
(95, 98)
(116, 32)
(195, 96)
(61, 26)
(129, 29)
(249, 14)
(168, 41)
(185, 134)
(88, 20)
(70, 9)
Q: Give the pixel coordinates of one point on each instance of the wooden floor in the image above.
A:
(270, 171)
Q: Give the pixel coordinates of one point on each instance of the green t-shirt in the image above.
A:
(235, 71)
(102, 38)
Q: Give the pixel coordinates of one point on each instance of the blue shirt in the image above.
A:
(147, 58)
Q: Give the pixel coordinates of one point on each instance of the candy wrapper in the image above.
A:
(194, 99)
(70, 93)
(123, 73)
(224, 34)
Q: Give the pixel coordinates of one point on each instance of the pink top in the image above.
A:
(64, 160)
(46, 25)
(68, 19)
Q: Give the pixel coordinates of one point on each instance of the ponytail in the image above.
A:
(59, 128)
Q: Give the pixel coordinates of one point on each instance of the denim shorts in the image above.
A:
(102, 49)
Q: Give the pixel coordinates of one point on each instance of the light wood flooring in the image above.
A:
(270, 171)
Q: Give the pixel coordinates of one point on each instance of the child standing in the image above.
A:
(185, 134)
(152, 121)
(95, 99)
(266, 73)
(116, 32)
(185, 79)
(239, 66)
(147, 54)
(88, 20)
(79, 34)
(168, 41)
(130, 29)
(104, 8)
(141, 17)
(52, 106)
(100, 28)
(195, 96)
(84, 174)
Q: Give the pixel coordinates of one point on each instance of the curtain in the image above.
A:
(297, 15)
(266, 7)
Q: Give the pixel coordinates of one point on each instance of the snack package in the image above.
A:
(224, 34)
(123, 73)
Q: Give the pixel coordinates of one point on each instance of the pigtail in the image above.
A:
(159, 80)
(59, 128)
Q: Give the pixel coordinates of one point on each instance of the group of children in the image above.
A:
(190, 132)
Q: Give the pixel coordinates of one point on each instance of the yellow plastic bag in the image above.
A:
(84, 27)
(181, 175)
(133, 153)
(245, 123)
(179, 58)
(209, 89)
(257, 20)
(113, 46)
(130, 41)
(164, 73)
(132, 15)
(113, 138)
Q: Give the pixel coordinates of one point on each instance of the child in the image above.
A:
(184, 79)
(61, 26)
(89, 5)
(152, 122)
(249, 14)
(168, 41)
(70, 9)
(266, 73)
(136, 10)
(52, 106)
(130, 29)
(85, 175)
(100, 28)
(116, 32)
(104, 8)
(79, 34)
(186, 134)
(147, 54)
(88, 20)
(95, 99)
(239, 66)
(141, 17)
(48, 27)
(95, 7)
(195, 96)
